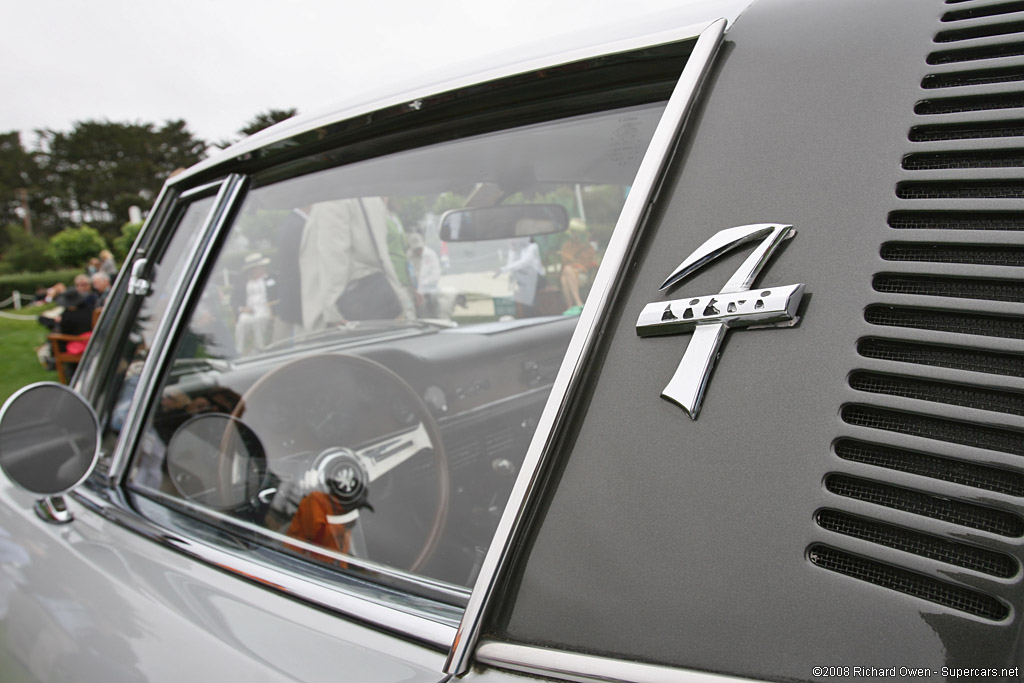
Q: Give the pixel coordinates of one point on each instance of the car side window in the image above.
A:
(164, 271)
(362, 370)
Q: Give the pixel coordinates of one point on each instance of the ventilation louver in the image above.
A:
(939, 426)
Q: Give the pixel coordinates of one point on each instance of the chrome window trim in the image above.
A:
(147, 225)
(570, 666)
(392, 619)
(229, 193)
(191, 193)
(411, 96)
(123, 273)
(452, 591)
(634, 213)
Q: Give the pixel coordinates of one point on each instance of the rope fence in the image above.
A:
(15, 300)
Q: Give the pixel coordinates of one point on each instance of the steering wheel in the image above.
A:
(336, 424)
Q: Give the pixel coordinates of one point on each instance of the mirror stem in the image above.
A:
(54, 510)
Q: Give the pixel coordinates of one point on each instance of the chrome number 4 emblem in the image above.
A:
(710, 317)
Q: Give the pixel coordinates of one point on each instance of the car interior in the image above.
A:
(359, 375)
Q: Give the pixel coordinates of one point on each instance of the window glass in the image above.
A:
(164, 273)
(363, 370)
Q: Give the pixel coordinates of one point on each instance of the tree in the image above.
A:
(95, 172)
(17, 171)
(123, 242)
(26, 253)
(75, 246)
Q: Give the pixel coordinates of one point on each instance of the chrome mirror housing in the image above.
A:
(49, 444)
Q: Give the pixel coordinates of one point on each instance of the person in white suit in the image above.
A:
(346, 271)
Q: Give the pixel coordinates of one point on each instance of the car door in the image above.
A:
(311, 428)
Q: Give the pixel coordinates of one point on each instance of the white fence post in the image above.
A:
(17, 300)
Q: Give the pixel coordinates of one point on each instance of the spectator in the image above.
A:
(107, 264)
(252, 327)
(578, 257)
(101, 287)
(426, 271)
(346, 271)
(527, 275)
(76, 303)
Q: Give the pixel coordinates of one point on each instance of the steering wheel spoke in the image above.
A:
(381, 457)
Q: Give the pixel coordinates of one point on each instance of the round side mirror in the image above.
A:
(49, 439)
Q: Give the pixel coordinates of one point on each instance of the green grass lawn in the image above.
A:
(18, 342)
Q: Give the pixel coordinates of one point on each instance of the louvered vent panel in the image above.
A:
(956, 287)
(940, 356)
(911, 583)
(967, 131)
(951, 552)
(926, 505)
(941, 160)
(1007, 327)
(978, 398)
(967, 254)
(975, 12)
(938, 427)
(956, 220)
(984, 477)
(959, 79)
(1010, 49)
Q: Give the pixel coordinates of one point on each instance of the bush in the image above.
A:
(124, 242)
(26, 253)
(28, 283)
(75, 246)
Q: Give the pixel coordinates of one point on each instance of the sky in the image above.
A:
(217, 63)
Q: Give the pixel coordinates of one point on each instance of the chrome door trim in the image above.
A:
(164, 196)
(231, 189)
(400, 620)
(233, 525)
(189, 194)
(147, 226)
(570, 666)
(641, 198)
(410, 94)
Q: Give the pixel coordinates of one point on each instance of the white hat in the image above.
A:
(255, 259)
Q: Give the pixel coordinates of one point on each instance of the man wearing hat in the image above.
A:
(252, 327)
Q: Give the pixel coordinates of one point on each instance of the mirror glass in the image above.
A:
(49, 439)
(503, 222)
(216, 460)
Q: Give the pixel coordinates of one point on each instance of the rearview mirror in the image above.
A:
(49, 443)
(503, 222)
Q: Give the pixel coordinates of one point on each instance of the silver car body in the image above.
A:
(720, 518)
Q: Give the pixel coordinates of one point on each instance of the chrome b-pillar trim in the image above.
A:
(571, 666)
(231, 188)
(641, 197)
